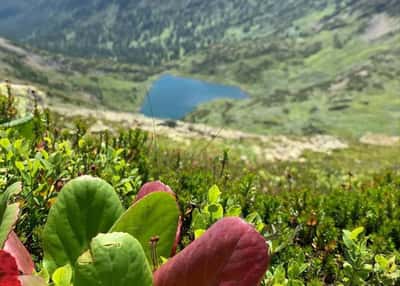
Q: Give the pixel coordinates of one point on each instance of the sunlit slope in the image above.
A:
(308, 66)
(337, 75)
(155, 31)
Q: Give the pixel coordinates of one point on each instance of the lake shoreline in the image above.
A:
(174, 97)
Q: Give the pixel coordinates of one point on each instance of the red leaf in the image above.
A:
(177, 237)
(152, 187)
(23, 259)
(230, 253)
(9, 280)
(8, 265)
(8, 270)
(158, 186)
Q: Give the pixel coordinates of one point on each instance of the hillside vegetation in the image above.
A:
(309, 67)
(327, 220)
(333, 73)
(299, 184)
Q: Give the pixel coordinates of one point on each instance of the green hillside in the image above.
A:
(296, 185)
(334, 74)
(155, 31)
(146, 31)
(332, 219)
(308, 66)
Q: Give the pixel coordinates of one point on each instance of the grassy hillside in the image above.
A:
(144, 31)
(304, 210)
(103, 84)
(310, 67)
(335, 74)
(157, 31)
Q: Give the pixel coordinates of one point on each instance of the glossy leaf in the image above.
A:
(214, 195)
(9, 280)
(8, 213)
(22, 257)
(230, 253)
(152, 187)
(7, 219)
(157, 186)
(85, 207)
(62, 276)
(155, 215)
(8, 270)
(8, 265)
(115, 259)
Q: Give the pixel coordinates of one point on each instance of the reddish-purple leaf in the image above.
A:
(8, 265)
(8, 270)
(177, 237)
(152, 187)
(9, 280)
(22, 257)
(158, 186)
(230, 253)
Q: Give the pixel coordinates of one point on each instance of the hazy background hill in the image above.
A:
(152, 31)
(145, 31)
(326, 66)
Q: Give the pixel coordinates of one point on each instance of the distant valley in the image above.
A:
(309, 67)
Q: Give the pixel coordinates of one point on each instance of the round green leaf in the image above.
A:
(85, 207)
(8, 217)
(155, 215)
(114, 259)
(62, 276)
(8, 213)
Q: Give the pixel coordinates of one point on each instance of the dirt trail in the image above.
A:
(269, 148)
(380, 140)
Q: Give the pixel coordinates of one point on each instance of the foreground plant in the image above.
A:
(16, 265)
(231, 252)
(88, 229)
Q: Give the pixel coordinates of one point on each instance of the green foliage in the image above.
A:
(300, 208)
(8, 214)
(209, 213)
(62, 276)
(86, 207)
(356, 267)
(360, 268)
(156, 215)
(113, 259)
(151, 33)
(279, 276)
(308, 66)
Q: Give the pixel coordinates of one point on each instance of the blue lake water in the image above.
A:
(173, 97)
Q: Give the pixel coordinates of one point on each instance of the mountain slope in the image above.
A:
(143, 31)
(96, 84)
(325, 66)
(337, 73)
(154, 31)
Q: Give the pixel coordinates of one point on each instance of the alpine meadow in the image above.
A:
(199, 142)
